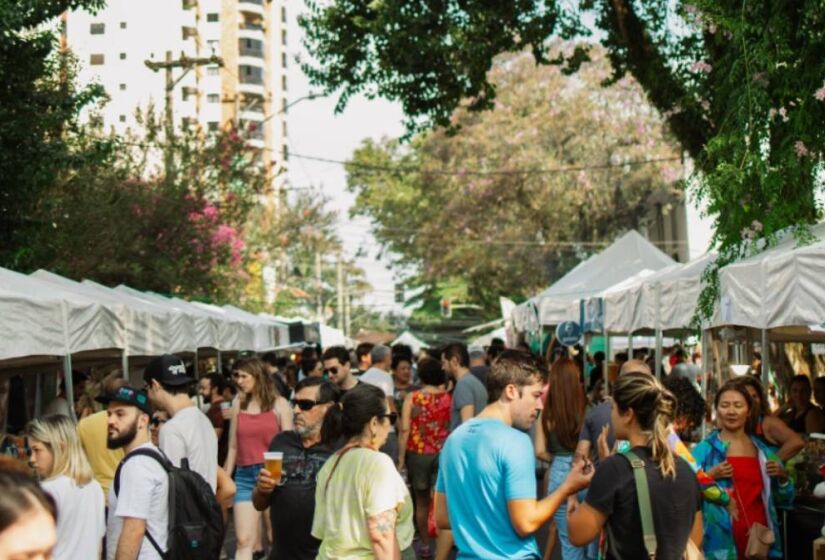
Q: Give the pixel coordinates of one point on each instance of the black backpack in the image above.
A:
(195, 517)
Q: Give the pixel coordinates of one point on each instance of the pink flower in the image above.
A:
(701, 66)
(194, 217)
(783, 112)
(757, 226)
(224, 235)
(801, 149)
(210, 212)
(820, 93)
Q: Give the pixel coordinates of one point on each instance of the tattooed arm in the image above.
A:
(382, 535)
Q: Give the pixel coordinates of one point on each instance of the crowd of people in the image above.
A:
(380, 453)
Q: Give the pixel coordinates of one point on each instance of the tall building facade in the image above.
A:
(248, 90)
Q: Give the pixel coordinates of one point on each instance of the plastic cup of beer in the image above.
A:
(273, 460)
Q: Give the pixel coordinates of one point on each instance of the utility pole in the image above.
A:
(319, 296)
(186, 64)
(339, 289)
(347, 310)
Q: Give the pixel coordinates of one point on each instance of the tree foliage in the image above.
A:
(39, 107)
(741, 84)
(505, 205)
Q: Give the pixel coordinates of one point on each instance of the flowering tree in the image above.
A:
(740, 84)
(503, 206)
(176, 229)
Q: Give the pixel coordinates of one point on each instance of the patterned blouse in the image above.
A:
(429, 422)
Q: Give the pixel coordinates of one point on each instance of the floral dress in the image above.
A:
(429, 422)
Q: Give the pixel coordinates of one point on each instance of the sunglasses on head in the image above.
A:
(332, 370)
(306, 404)
(391, 416)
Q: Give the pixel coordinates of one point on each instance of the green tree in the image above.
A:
(39, 106)
(470, 230)
(741, 84)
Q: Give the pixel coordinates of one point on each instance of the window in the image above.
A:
(283, 14)
(283, 82)
(212, 18)
(123, 25)
(123, 56)
(283, 36)
(283, 129)
(212, 126)
(122, 118)
(213, 98)
(122, 87)
(96, 59)
(213, 71)
(283, 60)
(97, 28)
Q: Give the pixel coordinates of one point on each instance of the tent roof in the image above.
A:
(410, 340)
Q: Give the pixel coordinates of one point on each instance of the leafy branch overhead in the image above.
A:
(740, 84)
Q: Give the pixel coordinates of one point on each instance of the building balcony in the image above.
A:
(255, 7)
(249, 88)
(251, 31)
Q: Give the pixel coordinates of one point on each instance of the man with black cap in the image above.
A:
(140, 505)
(188, 433)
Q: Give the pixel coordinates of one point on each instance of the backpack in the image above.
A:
(195, 517)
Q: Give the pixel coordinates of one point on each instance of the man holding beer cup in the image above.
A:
(286, 484)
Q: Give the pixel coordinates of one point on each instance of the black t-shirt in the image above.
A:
(292, 505)
(674, 503)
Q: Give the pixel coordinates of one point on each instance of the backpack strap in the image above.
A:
(643, 497)
(167, 466)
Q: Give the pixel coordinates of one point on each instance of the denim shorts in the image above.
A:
(245, 480)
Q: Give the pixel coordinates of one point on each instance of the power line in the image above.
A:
(533, 171)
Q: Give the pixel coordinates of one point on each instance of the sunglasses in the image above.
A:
(306, 404)
(391, 416)
(332, 370)
(158, 421)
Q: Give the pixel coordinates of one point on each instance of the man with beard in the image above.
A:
(291, 500)
(140, 507)
(487, 475)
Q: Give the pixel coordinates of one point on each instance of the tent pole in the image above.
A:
(218, 362)
(766, 359)
(630, 345)
(706, 356)
(658, 368)
(69, 382)
(38, 395)
(124, 365)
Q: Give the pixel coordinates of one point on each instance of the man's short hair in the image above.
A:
(337, 353)
(404, 350)
(477, 354)
(363, 349)
(379, 353)
(217, 382)
(270, 358)
(458, 351)
(512, 367)
(327, 391)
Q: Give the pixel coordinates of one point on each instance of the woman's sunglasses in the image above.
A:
(391, 416)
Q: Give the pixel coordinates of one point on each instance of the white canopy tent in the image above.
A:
(330, 336)
(410, 340)
(780, 287)
(626, 257)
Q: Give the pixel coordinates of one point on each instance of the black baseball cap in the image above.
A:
(128, 395)
(167, 370)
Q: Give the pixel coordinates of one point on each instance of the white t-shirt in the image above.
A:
(81, 521)
(190, 434)
(144, 494)
(379, 378)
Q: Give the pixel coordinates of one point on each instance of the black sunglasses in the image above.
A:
(158, 421)
(332, 370)
(306, 404)
(391, 416)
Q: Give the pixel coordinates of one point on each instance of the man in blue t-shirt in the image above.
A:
(486, 489)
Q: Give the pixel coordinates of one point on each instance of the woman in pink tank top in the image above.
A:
(258, 415)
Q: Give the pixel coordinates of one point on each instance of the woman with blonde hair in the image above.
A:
(642, 412)
(66, 476)
(258, 415)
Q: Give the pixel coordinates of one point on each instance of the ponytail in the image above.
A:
(663, 418)
(355, 410)
(332, 426)
(654, 407)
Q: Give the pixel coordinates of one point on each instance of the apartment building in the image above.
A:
(249, 89)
